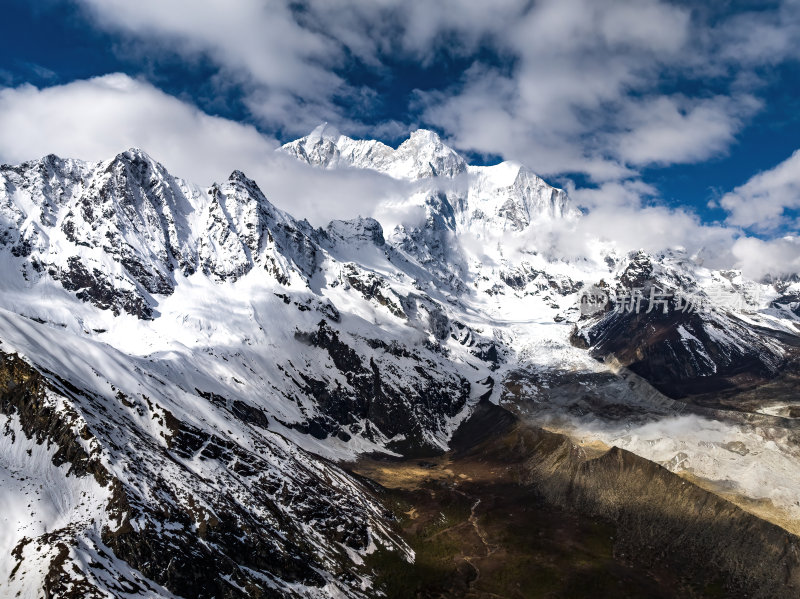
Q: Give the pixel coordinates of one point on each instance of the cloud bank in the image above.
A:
(96, 119)
(591, 86)
(594, 87)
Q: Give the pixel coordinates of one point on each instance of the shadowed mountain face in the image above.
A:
(686, 353)
(184, 367)
(524, 512)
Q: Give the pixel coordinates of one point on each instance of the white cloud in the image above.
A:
(625, 215)
(665, 130)
(613, 194)
(622, 215)
(574, 58)
(761, 203)
(415, 28)
(96, 119)
(258, 43)
(761, 37)
(777, 257)
(569, 85)
(284, 55)
(565, 100)
(587, 90)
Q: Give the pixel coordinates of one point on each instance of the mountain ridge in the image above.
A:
(181, 335)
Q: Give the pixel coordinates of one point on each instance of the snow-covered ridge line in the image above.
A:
(216, 346)
(506, 196)
(223, 267)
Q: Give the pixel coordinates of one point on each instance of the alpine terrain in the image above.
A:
(203, 396)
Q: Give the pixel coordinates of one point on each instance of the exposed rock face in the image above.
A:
(100, 290)
(679, 342)
(789, 302)
(373, 287)
(356, 231)
(243, 229)
(270, 523)
(638, 273)
(685, 353)
(128, 221)
(135, 213)
(379, 400)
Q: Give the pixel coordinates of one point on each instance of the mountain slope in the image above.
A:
(188, 364)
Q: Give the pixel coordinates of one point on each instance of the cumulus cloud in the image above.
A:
(764, 202)
(631, 193)
(260, 44)
(96, 119)
(588, 90)
(658, 228)
(285, 56)
(564, 86)
(665, 130)
(761, 36)
(576, 63)
(623, 216)
(626, 216)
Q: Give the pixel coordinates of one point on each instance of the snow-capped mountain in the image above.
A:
(421, 156)
(182, 367)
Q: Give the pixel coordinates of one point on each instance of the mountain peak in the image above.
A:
(137, 162)
(246, 188)
(132, 154)
(238, 175)
(424, 155)
(425, 136)
(426, 141)
(325, 131)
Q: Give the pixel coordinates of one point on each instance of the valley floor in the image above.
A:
(486, 524)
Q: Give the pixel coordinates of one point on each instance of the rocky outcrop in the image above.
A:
(272, 524)
(355, 231)
(661, 326)
(683, 354)
(403, 410)
(101, 290)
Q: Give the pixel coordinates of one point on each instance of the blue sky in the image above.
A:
(673, 105)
